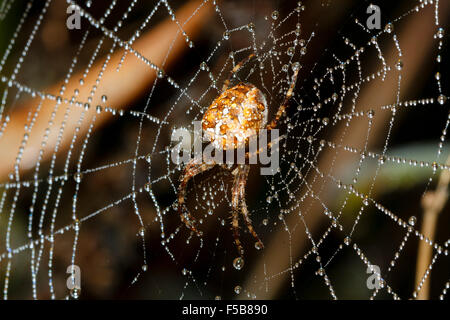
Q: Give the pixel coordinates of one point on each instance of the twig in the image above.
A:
(433, 202)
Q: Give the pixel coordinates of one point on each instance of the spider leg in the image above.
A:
(248, 221)
(235, 207)
(281, 110)
(192, 169)
(235, 69)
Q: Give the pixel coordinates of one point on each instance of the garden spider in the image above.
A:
(233, 117)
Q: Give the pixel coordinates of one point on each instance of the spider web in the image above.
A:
(335, 207)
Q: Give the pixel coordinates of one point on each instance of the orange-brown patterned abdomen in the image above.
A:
(237, 114)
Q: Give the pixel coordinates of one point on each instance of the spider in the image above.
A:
(232, 118)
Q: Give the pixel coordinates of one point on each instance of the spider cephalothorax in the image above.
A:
(235, 115)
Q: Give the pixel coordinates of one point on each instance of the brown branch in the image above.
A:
(433, 202)
(120, 88)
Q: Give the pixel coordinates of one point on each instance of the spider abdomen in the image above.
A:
(236, 115)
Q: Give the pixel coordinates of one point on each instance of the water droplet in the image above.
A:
(238, 263)
(440, 33)
(366, 201)
(399, 64)
(389, 27)
(75, 293)
(296, 66)
(144, 267)
(160, 73)
(347, 241)
(442, 99)
(258, 245)
(76, 225)
(434, 165)
(290, 51)
(104, 98)
(275, 15)
(226, 35)
(322, 143)
(77, 177)
(265, 222)
(142, 231)
(218, 298)
(412, 220)
(438, 76)
(184, 271)
(237, 289)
